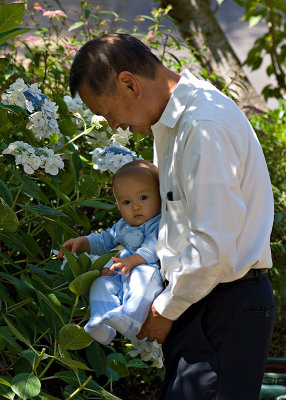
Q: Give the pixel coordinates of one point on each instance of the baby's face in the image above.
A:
(137, 198)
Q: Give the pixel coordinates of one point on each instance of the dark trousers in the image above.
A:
(217, 348)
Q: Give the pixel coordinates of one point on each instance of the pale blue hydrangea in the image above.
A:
(43, 113)
(32, 158)
(112, 157)
(80, 111)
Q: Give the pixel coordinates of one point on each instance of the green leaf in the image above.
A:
(17, 283)
(117, 362)
(11, 34)
(21, 243)
(66, 228)
(73, 337)
(11, 15)
(75, 267)
(8, 219)
(73, 364)
(97, 358)
(97, 204)
(14, 109)
(77, 163)
(32, 356)
(5, 389)
(26, 385)
(84, 262)
(5, 193)
(52, 301)
(17, 333)
(76, 25)
(254, 20)
(100, 262)
(82, 283)
(72, 379)
(6, 334)
(88, 186)
(137, 363)
(42, 210)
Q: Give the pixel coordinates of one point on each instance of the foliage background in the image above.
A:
(45, 353)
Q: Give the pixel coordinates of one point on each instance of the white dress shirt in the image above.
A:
(217, 202)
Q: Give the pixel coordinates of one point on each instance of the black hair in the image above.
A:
(99, 61)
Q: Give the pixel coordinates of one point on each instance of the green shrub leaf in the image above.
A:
(100, 262)
(82, 283)
(73, 337)
(11, 15)
(8, 219)
(26, 385)
(74, 265)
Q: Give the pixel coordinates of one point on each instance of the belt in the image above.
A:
(254, 273)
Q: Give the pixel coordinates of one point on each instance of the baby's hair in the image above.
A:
(136, 166)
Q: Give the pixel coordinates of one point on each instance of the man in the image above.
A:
(215, 317)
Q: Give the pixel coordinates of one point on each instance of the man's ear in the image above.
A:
(128, 81)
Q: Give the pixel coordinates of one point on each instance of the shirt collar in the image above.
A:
(177, 102)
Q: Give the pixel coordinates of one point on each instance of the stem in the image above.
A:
(39, 360)
(85, 132)
(74, 307)
(47, 367)
(17, 195)
(80, 388)
(42, 335)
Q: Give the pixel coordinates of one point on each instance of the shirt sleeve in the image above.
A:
(209, 176)
(101, 243)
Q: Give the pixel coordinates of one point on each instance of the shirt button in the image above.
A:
(267, 314)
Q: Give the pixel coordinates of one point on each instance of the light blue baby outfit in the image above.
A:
(120, 303)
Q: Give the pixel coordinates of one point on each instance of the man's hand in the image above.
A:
(155, 327)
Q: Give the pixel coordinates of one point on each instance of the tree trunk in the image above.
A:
(198, 25)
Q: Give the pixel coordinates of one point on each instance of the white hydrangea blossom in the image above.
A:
(148, 351)
(121, 136)
(43, 113)
(112, 157)
(32, 158)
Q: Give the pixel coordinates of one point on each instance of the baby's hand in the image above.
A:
(106, 272)
(123, 264)
(80, 243)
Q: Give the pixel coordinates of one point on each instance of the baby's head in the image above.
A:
(136, 191)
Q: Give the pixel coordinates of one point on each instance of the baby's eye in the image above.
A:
(144, 197)
(126, 202)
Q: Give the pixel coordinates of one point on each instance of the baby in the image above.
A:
(120, 300)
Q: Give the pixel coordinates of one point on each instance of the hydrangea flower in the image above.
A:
(121, 136)
(81, 112)
(43, 113)
(112, 157)
(32, 158)
(148, 351)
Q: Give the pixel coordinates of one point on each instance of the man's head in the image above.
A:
(119, 78)
(136, 191)
(99, 62)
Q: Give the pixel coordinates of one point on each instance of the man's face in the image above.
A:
(121, 109)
